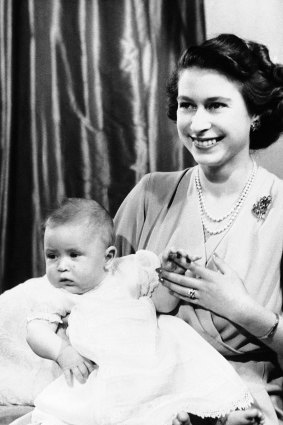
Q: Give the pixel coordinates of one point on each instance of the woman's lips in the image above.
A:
(205, 142)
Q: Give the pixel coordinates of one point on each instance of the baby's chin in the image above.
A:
(72, 290)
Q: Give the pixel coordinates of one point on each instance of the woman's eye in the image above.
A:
(74, 254)
(216, 105)
(186, 105)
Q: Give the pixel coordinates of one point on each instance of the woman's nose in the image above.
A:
(200, 121)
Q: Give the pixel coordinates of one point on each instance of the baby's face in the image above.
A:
(74, 256)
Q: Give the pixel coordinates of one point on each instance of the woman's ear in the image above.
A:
(109, 256)
(255, 124)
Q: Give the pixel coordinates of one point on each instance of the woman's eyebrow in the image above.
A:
(183, 98)
(217, 98)
(209, 99)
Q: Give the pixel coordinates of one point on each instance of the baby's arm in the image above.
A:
(43, 340)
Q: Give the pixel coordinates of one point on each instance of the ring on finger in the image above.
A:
(191, 293)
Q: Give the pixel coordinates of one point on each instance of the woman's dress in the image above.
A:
(148, 367)
(163, 211)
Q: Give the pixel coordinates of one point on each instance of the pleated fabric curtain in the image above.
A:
(83, 108)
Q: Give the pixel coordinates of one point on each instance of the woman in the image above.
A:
(226, 97)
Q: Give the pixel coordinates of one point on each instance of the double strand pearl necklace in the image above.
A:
(232, 213)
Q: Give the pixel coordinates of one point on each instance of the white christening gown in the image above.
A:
(149, 367)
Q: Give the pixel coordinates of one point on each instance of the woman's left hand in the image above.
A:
(221, 291)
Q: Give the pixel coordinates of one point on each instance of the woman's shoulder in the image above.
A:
(154, 182)
(272, 183)
(158, 184)
(160, 181)
(271, 178)
(167, 176)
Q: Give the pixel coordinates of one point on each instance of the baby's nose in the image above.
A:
(63, 265)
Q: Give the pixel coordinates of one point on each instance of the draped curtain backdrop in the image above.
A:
(83, 108)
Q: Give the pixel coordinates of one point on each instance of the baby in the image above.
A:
(130, 366)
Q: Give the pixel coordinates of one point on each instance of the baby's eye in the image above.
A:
(74, 254)
(50, 256)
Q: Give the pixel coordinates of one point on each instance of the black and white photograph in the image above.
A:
(141, 212)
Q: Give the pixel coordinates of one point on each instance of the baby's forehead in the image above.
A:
(69, 238)
(83, 223)
(75, 229)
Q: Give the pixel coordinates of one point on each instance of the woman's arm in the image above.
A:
(223, 293)
(129, 219)
(163, 300)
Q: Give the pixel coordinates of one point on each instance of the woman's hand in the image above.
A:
(221, 291)
(176, 260)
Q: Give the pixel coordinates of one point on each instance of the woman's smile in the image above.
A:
(205, 143)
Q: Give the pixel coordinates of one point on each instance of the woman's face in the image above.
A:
(212, 118)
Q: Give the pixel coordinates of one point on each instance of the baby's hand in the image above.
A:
(73, 364)
(176, 261)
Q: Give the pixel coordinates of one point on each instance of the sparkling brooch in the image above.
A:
(260, 208)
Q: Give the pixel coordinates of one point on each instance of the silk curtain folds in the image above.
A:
(83, 108)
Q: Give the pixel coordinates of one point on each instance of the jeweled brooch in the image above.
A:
(261, 207)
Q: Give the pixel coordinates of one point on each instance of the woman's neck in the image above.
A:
(226, 180)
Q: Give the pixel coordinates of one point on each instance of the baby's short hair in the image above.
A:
(81, 210)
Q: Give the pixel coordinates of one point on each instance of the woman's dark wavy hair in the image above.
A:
(247, 63)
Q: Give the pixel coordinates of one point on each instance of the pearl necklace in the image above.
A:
(232, 213)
